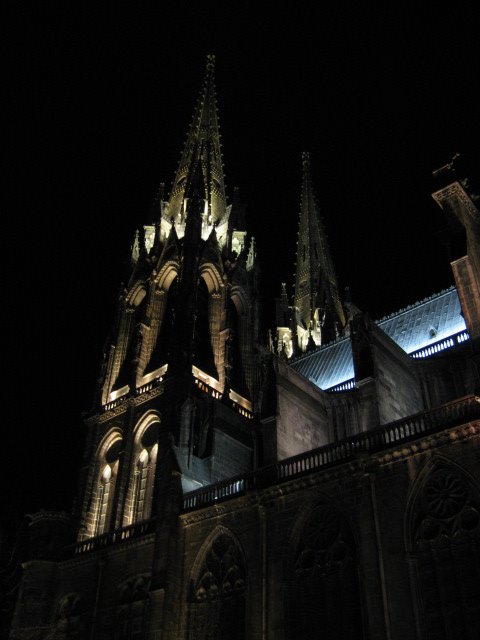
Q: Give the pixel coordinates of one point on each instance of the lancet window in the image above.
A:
(203, 356)
(164, 344)
(107, 469)
(103, 498)
(324, 601)
(143, 471)
(140, 488)
(217, 598)
(128, 340)
(132, 608)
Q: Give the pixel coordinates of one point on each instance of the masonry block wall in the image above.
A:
(302, 417)
(397, 383)
(384, 518)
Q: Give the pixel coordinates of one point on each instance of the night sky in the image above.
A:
(98, 112)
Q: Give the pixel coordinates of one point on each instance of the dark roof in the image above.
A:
(425, 322)
(413, 328)
(327, 366)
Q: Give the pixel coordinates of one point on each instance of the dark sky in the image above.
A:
(98, 113)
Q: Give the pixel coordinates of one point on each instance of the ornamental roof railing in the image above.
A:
(401, 431)
(395, 433)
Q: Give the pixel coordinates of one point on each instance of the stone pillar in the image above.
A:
(468, 287)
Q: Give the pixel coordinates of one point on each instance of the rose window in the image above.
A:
(445, 495)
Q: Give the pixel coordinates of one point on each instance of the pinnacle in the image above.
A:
(314, 263)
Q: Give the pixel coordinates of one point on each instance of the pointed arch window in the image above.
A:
(445, 553)
(128, 341)
(132, 608)
(203, 356)
(217, 598)
(140, 485)
(107, 469)
(143, 472)
(163, 349)
(103, 498)
(324, 601)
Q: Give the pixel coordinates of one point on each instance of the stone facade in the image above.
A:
(378, 545)
(224, 495)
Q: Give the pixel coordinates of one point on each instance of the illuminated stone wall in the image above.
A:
(366, 536)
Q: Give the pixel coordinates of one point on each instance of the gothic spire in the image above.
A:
(317, 299)
(204, 135)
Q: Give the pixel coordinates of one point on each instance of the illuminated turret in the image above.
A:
(317, 305)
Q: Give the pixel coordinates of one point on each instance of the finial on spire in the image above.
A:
(306, 159)
(210, 62)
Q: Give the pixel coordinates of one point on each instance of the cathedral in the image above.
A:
(325, 484)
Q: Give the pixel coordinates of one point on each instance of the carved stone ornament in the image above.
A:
(222, 573)
(445, 494)
(455, 195)
(324, 544)
(448, 511)
(133, 589)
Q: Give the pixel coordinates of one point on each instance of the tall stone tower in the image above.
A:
(317, 315)
(179, 370)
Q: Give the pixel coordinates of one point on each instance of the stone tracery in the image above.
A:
(325, 584)
(217, 610)
(446, 553)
